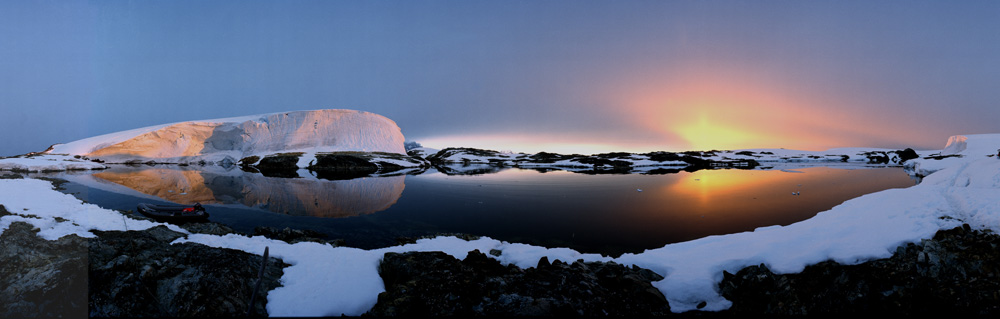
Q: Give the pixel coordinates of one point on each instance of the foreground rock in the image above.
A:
(436, 284)
(139, 273)
(956, 272)
(41, 278)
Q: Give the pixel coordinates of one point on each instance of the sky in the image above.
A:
(559, 76)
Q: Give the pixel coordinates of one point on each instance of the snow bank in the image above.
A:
(329, 281)
(960, 149)
(47, 163)
(56, 214)
(232, 139)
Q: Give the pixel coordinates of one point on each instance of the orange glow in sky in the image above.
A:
(710, 109)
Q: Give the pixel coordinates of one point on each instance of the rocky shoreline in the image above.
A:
(138, 273)
(127, 274)
(434, 284)
(956, 272)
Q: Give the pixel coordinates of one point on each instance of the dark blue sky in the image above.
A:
(519, 75)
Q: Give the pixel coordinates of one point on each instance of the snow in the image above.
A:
(956, 144)
(329, 281)
(46, 163)
(423, 152)
(232, 139)
(57, 214)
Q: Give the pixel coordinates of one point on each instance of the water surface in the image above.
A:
(608, 214)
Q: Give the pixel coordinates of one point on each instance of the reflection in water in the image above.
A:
(609, 214)
(733, 199)
(292, 196)
(629, 213)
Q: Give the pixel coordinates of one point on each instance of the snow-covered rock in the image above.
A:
(645, 162)
(422, 152)
(47, 163)
(960, 149)
(231, 139)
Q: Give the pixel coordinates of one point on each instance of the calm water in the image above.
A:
(608, 214)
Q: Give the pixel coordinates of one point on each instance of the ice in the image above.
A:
(232, 139)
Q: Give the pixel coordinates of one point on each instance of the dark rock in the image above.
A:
(279, 165)
(941, 157)
(439, 157)
(601, 162)
(279, 162)
(955, 273)
(139, 273)
(545, 157)
(890, 157)
(57, 183)
(469, 169)
(207, 228)
(663, 156)
(620, 155)
(907, 154)
(436, 284)
(342, 166)
(662, 171)
(292, 236)
(42, 278)
(249, 161)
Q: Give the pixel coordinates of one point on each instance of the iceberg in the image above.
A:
(231, 139)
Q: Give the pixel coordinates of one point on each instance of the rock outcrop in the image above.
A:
(434, 284)
(41, 278)
(955, 273)
(140, 274)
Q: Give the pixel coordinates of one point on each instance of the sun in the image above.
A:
(722, 133)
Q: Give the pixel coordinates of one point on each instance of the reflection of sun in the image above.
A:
(710, 186)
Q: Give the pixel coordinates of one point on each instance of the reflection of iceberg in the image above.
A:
(179, 186)
(298, 196)
(321, 198)
(469, 169)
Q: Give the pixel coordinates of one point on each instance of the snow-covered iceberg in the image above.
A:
(231, 139)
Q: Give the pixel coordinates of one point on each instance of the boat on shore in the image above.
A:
(173, 212)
